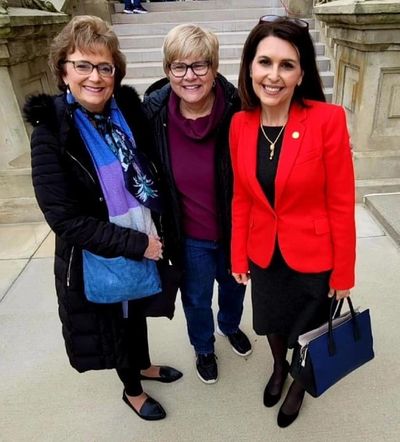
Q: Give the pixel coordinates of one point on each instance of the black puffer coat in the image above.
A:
(156, 109)
(69, 194)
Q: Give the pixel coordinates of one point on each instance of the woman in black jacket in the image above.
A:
(190, 117)
(77, 197)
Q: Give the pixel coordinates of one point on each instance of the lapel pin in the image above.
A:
(295, 135)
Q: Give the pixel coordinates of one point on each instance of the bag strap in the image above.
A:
(335, 312)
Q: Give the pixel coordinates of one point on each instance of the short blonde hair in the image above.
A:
(189, 40)
(85, 33)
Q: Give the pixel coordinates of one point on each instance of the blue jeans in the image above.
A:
(132, 4)
(205, 261)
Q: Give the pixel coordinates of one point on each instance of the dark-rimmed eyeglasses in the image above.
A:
(84, 67)
(199, 68)
(281, 18)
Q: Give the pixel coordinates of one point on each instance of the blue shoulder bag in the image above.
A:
(111, 280)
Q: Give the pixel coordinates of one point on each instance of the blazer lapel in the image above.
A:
(292, 139)
(251, 129)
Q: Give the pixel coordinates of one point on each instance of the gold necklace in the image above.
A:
(271, 143)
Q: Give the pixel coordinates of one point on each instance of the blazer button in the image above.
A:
(101, 199)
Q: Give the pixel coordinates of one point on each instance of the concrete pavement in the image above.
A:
(43, 399)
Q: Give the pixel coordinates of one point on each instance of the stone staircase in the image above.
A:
(141, 36)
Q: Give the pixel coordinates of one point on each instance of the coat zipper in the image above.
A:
(82, 166)
(69, 265)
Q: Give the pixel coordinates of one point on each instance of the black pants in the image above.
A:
(134, 348)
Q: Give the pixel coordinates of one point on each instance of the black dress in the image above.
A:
(285, 301)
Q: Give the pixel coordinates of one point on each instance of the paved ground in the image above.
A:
(43, 399)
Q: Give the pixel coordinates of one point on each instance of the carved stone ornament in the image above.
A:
(44, 5)
(3, 7)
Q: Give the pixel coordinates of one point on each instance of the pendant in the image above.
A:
(271, 150)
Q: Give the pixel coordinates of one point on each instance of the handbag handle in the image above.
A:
(356, 328)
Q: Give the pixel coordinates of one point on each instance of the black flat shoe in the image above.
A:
(151, 410)
(167, 375)
(272, 399)
(284, 420)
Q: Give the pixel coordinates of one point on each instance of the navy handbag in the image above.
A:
(325, 355)
(110, 280)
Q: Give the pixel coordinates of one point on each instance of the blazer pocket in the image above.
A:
(308, 156)
(321, 226)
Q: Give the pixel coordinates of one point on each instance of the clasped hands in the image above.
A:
(154, 249)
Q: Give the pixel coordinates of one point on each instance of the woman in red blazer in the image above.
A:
(293, 205)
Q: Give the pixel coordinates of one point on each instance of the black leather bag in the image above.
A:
(325, 355)
(163, 304)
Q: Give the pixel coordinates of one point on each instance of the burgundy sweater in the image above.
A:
(192, 145)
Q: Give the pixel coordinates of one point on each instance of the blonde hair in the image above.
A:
(85, 33)
(189, 40)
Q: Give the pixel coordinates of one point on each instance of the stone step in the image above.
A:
(16, 181)
(17, 200)
(226, 67)
(373, 186)
(19, 210)
(385, 207)
(156, 41)
(15, 184)
(147, 29)
(225, 52)
(194, 16)
(380, 164)
(199, 5)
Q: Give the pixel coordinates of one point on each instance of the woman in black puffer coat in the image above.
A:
(88, 64)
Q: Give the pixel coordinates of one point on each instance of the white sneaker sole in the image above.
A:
(243, 355)
(211, 381)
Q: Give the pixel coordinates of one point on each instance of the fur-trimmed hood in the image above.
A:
(50, 110)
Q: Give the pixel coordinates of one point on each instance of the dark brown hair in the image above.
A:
(85, 33)
(311, 86)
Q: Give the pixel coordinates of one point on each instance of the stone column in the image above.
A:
(300, 8)
(24, 47)
(99, 8)
(13, 138)
(366, 45)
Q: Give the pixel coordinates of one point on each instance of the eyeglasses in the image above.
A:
(83, 67)
(199, 68)
(279, 18)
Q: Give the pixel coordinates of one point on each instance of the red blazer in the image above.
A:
(313, 218)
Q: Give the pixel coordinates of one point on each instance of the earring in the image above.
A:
(214, 83)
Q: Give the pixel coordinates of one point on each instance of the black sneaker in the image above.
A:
(239, 341)
(140, 10)
(207, 369)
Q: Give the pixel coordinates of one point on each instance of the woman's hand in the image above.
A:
(241, 278)
(340, 294)
(154, 249)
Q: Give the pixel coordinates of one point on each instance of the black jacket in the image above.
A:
(156, 109)
(69, 194)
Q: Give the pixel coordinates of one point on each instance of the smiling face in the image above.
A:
(92, 90)
(275, 72)
(192, 89)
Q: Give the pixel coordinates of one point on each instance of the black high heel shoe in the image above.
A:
(272, 399)
(284, 420)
